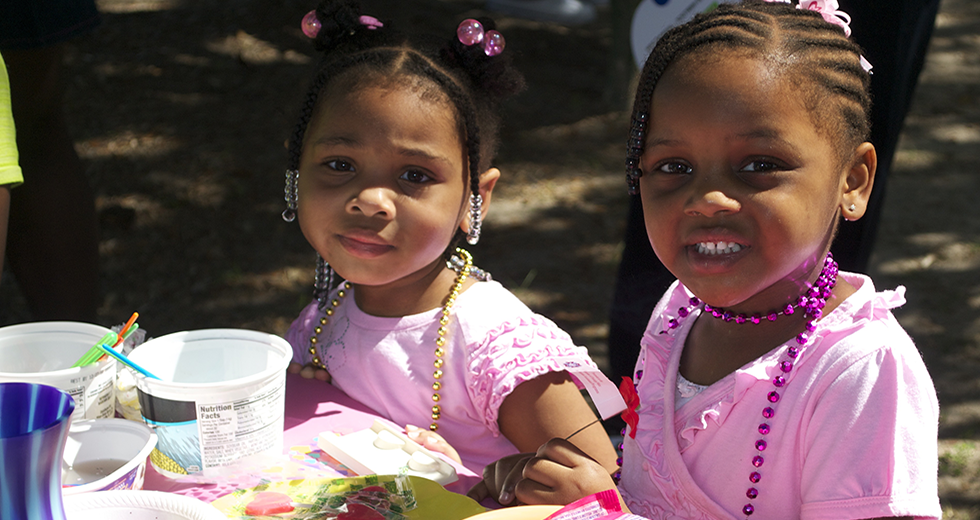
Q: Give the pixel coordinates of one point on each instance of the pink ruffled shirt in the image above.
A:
(494, 343)
(854, 434)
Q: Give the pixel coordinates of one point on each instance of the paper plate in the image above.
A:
(435, 503)
(517, 513)
(137, 505)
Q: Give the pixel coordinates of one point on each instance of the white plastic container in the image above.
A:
(44, 352)
(105, 455)
(220, 397)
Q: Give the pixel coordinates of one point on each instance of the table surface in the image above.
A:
(312, 407)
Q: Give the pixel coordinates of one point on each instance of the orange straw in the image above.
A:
(129, 323)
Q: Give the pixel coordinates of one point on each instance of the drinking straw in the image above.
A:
(124, 334)
(123, 331)
(94, 353)
(126, 361)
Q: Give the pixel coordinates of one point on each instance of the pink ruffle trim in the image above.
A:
(766, 368)
(512, 353)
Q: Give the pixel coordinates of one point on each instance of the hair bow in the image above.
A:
(831, 13)
(311, 25)
(470, 32)
(830, 10)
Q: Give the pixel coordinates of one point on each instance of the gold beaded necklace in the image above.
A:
(462, 263)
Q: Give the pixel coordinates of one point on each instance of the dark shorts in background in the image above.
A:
(26, 24)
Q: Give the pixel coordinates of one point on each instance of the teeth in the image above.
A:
(718, 248)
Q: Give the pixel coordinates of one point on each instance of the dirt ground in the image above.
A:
(179, 109)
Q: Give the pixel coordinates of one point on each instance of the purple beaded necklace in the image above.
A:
(811, 302)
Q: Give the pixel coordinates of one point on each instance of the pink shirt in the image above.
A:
(854, 434)
(494, 344)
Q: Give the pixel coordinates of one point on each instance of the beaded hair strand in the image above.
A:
(825, 56)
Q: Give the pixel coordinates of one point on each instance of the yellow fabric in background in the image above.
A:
(9, 167)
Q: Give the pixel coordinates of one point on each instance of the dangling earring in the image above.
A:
(322, 281)
(476, 215)
(292, 179)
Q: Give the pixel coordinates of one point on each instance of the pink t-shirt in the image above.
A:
(494, 344)
(854, 434)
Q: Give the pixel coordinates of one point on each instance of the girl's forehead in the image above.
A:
(356, 84)
(391, 116)
(748, 82)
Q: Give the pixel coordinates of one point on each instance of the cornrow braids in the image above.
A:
(357, 56)
(835, 86)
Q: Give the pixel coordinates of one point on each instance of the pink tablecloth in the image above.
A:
(312, 407)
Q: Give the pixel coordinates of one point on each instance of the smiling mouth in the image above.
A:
(364, 248)
(718, 248)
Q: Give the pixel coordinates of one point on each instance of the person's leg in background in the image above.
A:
(52, 242)
(895, 38)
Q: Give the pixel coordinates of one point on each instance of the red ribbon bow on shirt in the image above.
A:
(629, 415)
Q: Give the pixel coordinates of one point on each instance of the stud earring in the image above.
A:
(292, 179)
(476, 216)
(852, 207)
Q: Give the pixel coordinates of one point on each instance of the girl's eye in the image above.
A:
(761, 165)
(340, 165)
(415, 177)
(674, 168)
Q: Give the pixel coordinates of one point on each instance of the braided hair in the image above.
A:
(473, 82)
(833, 82)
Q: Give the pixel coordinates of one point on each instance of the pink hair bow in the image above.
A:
(830, 11)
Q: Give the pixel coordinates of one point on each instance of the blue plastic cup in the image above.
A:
(34, 421)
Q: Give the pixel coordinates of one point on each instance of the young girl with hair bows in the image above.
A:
(389, 169)
(769, 385)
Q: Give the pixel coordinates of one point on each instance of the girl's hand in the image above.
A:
(308, 371)
(432, 441)
(560, 474)
(500, 479)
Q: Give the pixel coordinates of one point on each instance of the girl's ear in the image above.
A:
(860, 178)
(488, 180)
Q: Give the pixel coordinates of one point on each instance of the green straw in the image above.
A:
(94, 353)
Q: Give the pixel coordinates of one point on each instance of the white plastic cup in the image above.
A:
(105, 455)
(221, 397)
(44, 352)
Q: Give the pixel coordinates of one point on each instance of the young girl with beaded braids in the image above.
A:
(769, 385)
(389, 170)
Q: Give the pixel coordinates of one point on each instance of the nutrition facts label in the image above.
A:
(93, 393)
(231, 430)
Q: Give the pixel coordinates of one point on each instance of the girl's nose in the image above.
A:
(710, 200)
(374, 201)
